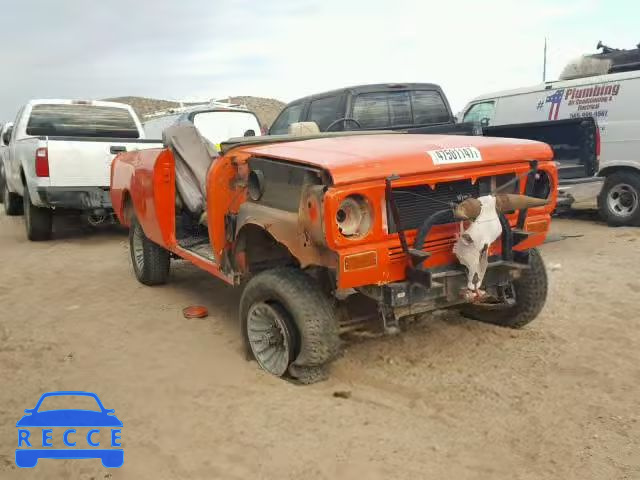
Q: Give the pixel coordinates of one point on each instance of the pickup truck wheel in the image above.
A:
(150, 261)
(619, 199)
(289, 325)
(38, 221)
(12, 202)
(2, 181)
(530, 296)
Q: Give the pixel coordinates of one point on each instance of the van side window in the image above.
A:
(323, 111)
(289, 115)
(382, 109)
(480, 111)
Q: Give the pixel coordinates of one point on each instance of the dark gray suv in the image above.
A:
(397, 106)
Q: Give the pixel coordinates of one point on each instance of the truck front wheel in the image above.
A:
(38, 221)
(619, 199)
(12, 202)
(289, 324)
(150, 261)
(530, 296)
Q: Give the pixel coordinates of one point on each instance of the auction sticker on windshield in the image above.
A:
(445, 156)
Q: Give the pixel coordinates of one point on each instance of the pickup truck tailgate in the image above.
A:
(86, 162)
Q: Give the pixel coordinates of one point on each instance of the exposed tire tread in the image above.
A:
(531, 294)
(156, 260)
(12, 202)
(38, 221)
(311, 311)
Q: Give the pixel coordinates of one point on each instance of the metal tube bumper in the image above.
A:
(412, 297)
(579, 189)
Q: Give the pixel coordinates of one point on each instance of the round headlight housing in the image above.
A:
(256, 185)
(541, 185)
(354, 216)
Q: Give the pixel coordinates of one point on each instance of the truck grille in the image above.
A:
(417, 203)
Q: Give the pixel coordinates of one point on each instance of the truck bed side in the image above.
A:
(20, 167)
(573, 141)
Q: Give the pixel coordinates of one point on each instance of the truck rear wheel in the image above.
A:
(530, 296)
(289, 324)
(150, 261)
(38, 221)
(12, 202)
(2, 181)
(619, 199)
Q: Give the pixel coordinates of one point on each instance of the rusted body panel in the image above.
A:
(288, 229)
(357, 164)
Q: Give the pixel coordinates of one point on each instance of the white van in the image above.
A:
(614, 101)
(214, 122)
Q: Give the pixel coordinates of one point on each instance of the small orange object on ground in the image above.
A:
(195, 311)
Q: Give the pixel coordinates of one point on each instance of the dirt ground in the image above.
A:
(449, 398)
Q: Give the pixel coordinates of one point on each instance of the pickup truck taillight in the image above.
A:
(42, 162)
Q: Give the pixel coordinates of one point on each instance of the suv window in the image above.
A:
(429, 107)
(382, 109)
(323, 111)
(81, 121)
(480, 111)
(289, 115)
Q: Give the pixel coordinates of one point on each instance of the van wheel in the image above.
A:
(12, 202)
(530, 296)
(289, 325)
(38, 221)
(619, 199)
(150, 261)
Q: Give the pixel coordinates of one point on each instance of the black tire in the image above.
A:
(530, 292)
(38, 221)
(150, 261)
(2, 181)
(12, 202)
(619, 199)
(316, 339)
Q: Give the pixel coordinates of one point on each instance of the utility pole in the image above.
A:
(544, 62)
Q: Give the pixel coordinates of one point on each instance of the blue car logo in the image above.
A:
(32, 447)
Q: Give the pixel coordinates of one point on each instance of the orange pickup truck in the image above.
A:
(308, 223)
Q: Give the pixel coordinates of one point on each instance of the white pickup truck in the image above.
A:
(59, 158)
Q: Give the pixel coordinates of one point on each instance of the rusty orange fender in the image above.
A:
(301, 232)
(144, 180)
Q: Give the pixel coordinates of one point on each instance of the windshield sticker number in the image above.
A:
(455, 155)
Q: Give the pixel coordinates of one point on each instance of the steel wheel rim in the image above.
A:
(138, 249)
(623, 200)
(270, 337)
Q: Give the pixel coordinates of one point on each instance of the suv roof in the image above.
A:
(373, 87)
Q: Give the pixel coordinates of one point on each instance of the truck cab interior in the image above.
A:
(193, 156)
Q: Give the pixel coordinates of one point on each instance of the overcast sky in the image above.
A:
(202, 49)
